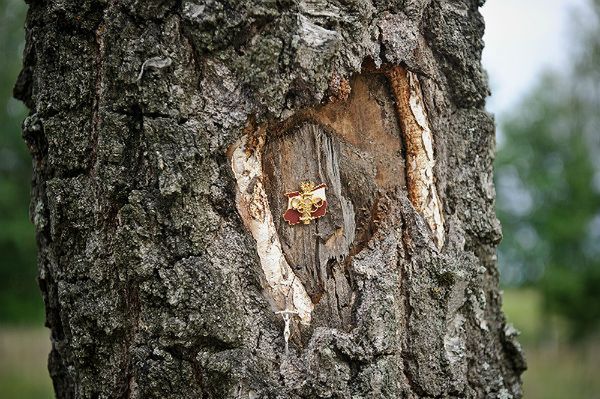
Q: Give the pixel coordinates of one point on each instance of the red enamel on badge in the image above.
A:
(307, 204)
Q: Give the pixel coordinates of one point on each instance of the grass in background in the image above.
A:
(557, 368)
(562, 372)
(23, 358)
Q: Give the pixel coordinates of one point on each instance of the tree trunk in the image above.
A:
(164, 136)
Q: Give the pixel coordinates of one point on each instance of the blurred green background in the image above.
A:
(24, 342)
(548, 185)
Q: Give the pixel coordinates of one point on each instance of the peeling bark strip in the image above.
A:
(284, 288)
(418, 140)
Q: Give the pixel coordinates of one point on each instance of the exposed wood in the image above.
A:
(354, 147)
(419, 140)
(283, 288)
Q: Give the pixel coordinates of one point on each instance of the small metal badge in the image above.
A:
(307, 204)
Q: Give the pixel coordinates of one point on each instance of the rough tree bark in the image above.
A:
(164, 135)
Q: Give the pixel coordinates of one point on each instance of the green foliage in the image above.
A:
(19, 296)
(548, 179)
(522, 307)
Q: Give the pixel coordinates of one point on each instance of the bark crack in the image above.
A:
(99, 34)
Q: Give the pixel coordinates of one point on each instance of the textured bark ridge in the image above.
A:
(164, 135)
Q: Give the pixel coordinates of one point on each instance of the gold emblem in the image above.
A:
(307, 204)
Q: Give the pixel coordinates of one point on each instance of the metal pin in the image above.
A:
(287, 318)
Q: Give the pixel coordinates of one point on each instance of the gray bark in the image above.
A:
(153, 279)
